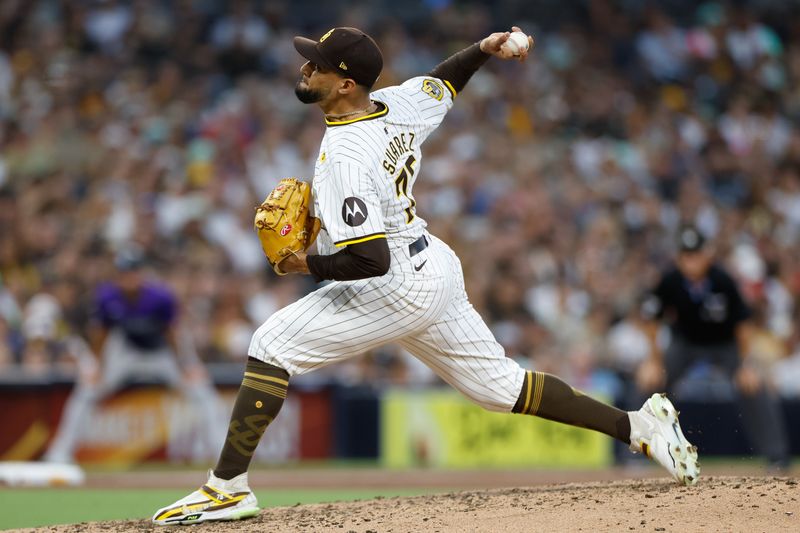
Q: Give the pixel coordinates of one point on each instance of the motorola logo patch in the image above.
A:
(354, 211)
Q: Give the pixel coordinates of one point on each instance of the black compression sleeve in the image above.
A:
(459, 68)
(357, 261)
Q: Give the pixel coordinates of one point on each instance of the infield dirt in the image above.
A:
(716, 504)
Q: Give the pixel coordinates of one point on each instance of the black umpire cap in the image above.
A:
(347, 51)
(690, 240)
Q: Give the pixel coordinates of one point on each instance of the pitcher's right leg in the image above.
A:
(461, 349)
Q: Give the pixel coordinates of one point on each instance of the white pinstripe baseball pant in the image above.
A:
(425, 311)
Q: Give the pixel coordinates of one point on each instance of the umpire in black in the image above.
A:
(709, 321)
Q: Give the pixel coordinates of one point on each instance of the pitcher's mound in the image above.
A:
(715, 504)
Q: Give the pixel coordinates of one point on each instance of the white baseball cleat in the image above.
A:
(655, 432)
(218, 499)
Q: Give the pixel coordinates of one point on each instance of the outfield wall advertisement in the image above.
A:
(401, 428)
(443, 429)
(152, 423)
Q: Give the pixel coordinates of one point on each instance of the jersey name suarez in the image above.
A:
(366, 169)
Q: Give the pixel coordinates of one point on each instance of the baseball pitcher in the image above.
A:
(392, 280)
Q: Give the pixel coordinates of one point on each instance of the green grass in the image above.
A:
(41, 507)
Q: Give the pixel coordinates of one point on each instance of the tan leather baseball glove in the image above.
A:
(283, 222)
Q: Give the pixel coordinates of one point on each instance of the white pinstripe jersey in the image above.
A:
(366, 169)
(362, 191)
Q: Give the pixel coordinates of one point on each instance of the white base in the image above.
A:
(40, 474)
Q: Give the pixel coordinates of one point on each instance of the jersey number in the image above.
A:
(401, 186)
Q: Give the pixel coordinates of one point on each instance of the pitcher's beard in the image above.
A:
(306, 95)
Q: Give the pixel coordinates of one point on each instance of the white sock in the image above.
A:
(237, 484)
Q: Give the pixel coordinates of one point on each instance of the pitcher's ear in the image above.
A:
(347, 85)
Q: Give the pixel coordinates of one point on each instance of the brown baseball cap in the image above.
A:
(347, 51)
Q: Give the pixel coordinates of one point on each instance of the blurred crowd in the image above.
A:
(560, 182)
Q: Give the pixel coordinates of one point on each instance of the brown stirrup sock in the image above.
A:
(257, 404)
(546, 396)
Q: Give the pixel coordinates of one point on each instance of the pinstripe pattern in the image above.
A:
(351, 164)
(427, 311)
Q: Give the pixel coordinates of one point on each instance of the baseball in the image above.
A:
(517, 42)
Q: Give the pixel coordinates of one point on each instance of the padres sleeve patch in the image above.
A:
(354, 211)
(433, 89)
